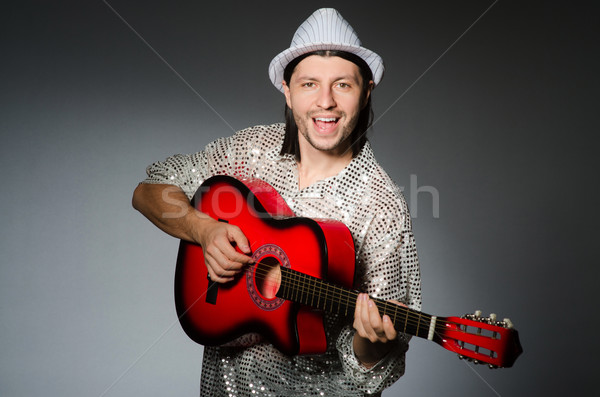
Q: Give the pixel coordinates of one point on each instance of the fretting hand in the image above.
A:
(373, 332)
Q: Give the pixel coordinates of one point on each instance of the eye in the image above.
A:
(308, 84)
(343, 85)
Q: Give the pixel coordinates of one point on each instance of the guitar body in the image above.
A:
(214, 314)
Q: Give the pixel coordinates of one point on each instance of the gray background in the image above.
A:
(501, 126)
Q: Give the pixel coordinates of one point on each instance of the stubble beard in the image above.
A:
(341, 145)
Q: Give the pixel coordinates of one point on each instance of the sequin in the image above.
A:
(371, 205)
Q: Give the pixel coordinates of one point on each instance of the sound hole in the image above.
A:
(268, 277)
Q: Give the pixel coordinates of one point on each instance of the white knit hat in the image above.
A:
(325, 29)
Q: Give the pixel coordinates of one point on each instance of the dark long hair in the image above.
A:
(365, 117)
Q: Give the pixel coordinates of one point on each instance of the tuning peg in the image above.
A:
(477, 313)
(463, 357)
(508, 323)
(493, 317)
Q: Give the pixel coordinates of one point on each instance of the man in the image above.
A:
(322, 165)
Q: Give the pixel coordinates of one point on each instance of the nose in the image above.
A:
(325, 99)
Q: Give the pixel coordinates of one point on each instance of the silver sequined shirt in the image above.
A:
(364, 198)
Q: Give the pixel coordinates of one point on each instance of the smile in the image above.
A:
(325, 124)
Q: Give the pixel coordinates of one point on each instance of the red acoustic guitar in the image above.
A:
(302, 268)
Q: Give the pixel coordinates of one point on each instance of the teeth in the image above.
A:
(326, 119)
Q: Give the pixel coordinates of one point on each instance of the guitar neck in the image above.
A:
(314, 292)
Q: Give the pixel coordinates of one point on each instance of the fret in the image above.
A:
(329, 298)
(351, 301)
(335, 299)
(319, 298)
(296, 289)
(304, 290)
(424, 328)
(292, 285)
(321, 290)
(311, 290)
(347, 303)
(314, 288)
(311, 285)
(326, 296)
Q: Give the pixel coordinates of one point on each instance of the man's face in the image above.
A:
(325, 96)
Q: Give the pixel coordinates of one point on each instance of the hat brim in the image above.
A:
(279, 63)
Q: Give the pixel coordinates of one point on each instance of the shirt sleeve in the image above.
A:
(225, 156)
(187, 171)
(389, 269)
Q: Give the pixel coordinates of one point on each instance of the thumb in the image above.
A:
(398, 303)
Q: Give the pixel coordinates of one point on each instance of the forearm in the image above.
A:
(169, 209)
(375, 335)
(380, 374)
(369, 353)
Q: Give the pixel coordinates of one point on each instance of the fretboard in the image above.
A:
(319, 294)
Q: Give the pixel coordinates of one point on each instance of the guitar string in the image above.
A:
(304, 286)
(439, 328)
(337, 295)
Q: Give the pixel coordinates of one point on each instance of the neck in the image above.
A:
(316, 165)
(314, 292)
(312, 170)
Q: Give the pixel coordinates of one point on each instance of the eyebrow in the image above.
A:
(342, 77)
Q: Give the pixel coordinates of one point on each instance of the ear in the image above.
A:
(286, 92)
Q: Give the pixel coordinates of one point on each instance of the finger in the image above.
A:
(398, 303)
(231, 254)
(215, 277)
(388, 327)
(239, 238)
(219, 264)
(375, 319)
(229, 259)
(219, 270)
(226, 256)
(358, 324)
(365, 318)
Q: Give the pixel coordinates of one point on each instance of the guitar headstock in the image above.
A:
(482, 340)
